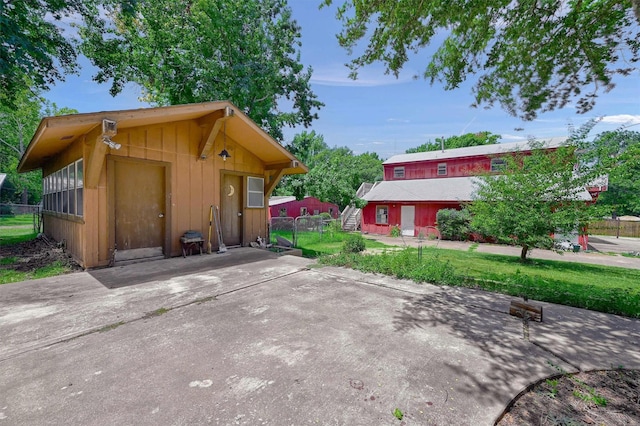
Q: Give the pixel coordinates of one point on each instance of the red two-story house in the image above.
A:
(417, 185)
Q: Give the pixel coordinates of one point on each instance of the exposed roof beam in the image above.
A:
(97, 154)
(289, 164)
(207, 143)
(271, 181)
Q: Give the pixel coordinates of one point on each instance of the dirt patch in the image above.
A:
(35, 254)
(595, 398)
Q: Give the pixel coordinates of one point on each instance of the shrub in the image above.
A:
(395, 231)
(353, 244)
(454, 224)
(6, 210)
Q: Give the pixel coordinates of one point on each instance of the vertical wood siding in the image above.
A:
(194, 187)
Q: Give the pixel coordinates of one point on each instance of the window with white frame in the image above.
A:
(283, 213)
(63, 190)
(498, 164)
(255, 192)
(442, 169)
(398, 172)
(303, 211)
(382, 215)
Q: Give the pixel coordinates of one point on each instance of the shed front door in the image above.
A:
(139, 205)
(407, 220)
(232, 202)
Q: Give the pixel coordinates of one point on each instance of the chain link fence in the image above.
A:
(302, 229)
(12, 210)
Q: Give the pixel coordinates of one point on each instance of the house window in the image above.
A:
(498, 164)
(442, 169)
(316, 212)
(331, 211)
(63, 190)
(398, 172)
(283, 213)
(303, 211)
(255, 192)
(382, 215)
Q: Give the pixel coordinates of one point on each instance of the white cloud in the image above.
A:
(397, 120)
(621, 119)
(338, 75)
(513, 137)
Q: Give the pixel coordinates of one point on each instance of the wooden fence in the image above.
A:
(615, 228)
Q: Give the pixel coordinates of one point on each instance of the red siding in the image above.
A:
(425, 216)
(311, 203)
(456, 167)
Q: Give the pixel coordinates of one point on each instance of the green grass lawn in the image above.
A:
(16, 229)
(602, 288)
(314, 244)
(10, 276)
(22, 219)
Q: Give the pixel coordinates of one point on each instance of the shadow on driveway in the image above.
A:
(165, 269)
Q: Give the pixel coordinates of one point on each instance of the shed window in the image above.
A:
(79, 188)
(382, 215)
(63, 190)
(255, 192)
(398, 172)
(283, 213)
(303, 211)
(498, 164)
(442, 169)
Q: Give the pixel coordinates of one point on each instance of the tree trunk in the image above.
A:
(24, 197)
(523, 253)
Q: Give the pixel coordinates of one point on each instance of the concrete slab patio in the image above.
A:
(277, 340)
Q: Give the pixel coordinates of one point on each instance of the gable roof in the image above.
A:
(281, 199)
(54, 134)
(444, 189)
(471, 151)
(457, 189)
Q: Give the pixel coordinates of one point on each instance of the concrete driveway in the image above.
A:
(248, 338)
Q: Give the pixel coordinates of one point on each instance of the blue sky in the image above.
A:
(377, 112)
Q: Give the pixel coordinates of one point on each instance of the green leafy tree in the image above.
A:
(305, 146)
(536, 196)
(338, 174)
(335, 174)
(462, 141)
(35, 51)
(19, 120)
(529, 55)
(618, 155)
(189, 51)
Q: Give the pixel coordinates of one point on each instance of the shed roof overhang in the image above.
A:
(55, 134)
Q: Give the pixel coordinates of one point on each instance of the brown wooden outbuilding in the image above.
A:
(123, 185)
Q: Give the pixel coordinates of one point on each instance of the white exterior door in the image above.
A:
(407, 220)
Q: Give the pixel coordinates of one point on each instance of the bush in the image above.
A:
(395, 231)
(6, 210)
(454, 224)
(353, 244)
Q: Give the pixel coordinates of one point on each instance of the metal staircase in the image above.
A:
(351, 215)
